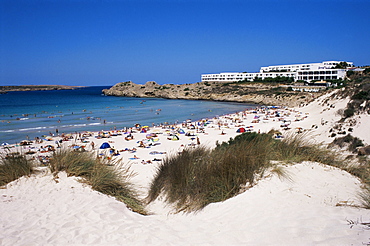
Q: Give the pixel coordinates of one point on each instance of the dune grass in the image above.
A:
(14, 166)
(281, 172)
(362, 170)
(107, 177)
(193, 179)
(296, 148)
(364, 196)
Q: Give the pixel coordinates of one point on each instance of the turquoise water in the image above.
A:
(35, 113)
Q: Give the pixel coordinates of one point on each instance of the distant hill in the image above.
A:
(4, 89)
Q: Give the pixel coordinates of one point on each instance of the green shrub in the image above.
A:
(351, 142)
(342, 65)
(14, 166)
(349, 112)
(350, 73)
(362, 95)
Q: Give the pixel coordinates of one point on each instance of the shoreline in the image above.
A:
(263, 121)
(314, 119)
(20, 126)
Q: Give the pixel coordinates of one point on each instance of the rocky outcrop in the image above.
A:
(258, 93)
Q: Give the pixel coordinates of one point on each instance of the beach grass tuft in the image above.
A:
(108, 177)
(197, 177)
(361, 169)
(79, 164)
(296, 148)
(364, 196)
(281, 172)
(14, 166)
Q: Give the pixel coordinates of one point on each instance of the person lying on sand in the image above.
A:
(146, 162)
(142, 145)
(129, 137)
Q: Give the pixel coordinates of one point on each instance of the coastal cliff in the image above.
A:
(258, 93)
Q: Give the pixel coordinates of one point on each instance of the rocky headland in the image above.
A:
(258, 93)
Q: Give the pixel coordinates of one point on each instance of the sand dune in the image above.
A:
(302, 211)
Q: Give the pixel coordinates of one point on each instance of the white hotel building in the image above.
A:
(308, 72)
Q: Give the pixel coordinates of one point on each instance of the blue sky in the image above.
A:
(84, 42)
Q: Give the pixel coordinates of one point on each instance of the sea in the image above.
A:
(29, 114)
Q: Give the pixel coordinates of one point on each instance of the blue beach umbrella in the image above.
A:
(105, 145)
(181, 131)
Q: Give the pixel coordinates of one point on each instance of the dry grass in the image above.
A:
(362, 171)
(78, 164)
(193, 179)
(296, 148)
(281, 172)
(14, 166)
(109, 178)
(365, 197)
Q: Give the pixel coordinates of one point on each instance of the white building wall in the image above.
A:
(308, 72)
(302, 67)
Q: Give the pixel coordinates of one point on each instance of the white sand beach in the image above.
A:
(319, 205)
